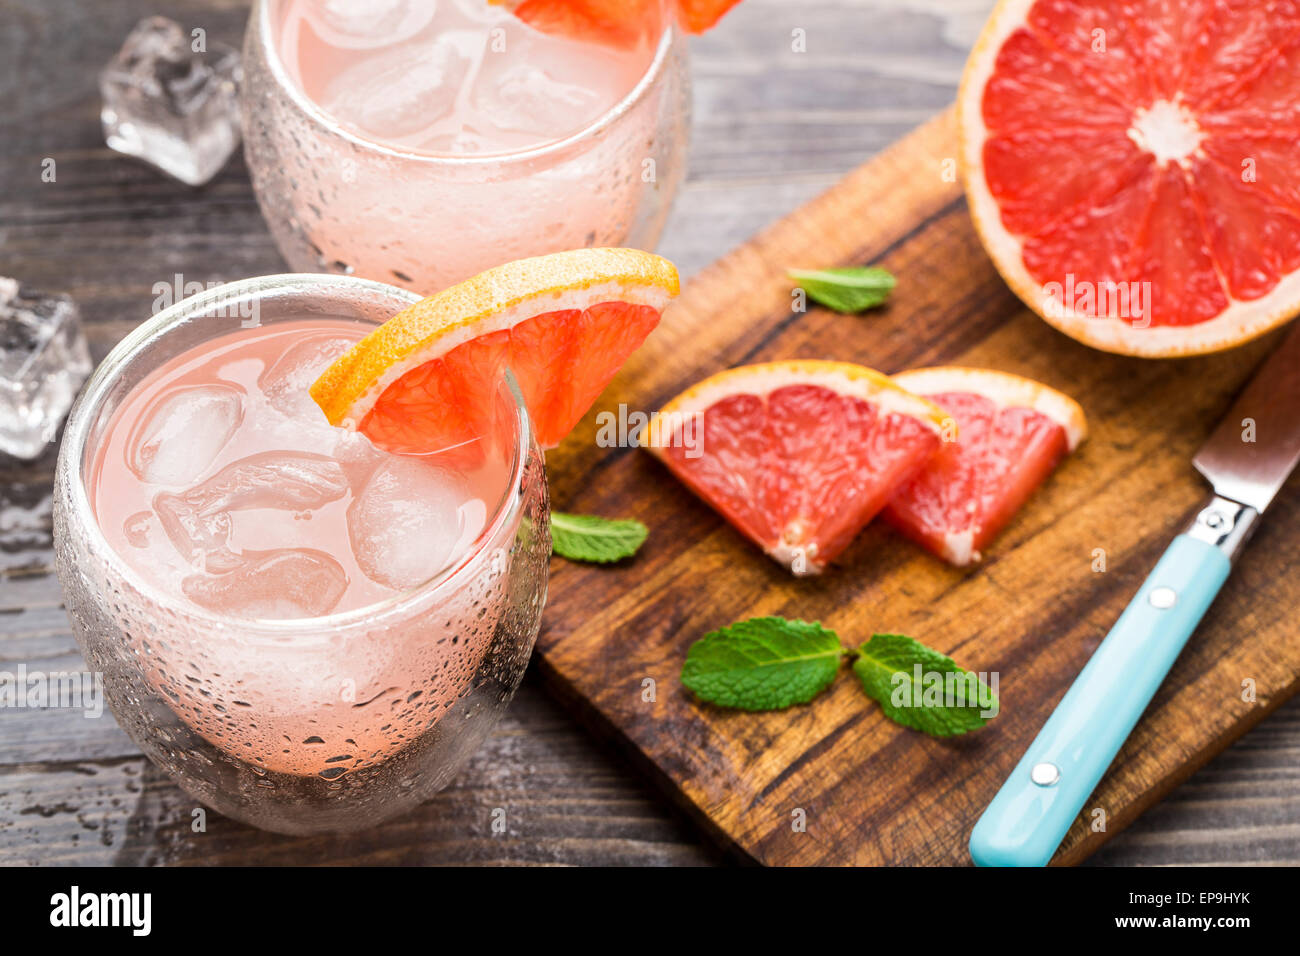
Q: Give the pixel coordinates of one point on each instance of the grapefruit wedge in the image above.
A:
(563, 324)
(1133, 169)
(798, 455)
(615, 22)
(1010, 433)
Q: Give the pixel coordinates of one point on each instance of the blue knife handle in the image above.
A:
(1028, 818)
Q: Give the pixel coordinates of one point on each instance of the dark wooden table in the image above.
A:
(74, 790)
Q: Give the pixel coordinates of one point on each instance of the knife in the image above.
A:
(1246, 460)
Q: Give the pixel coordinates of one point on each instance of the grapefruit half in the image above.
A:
(1010, 433)
(564, 324)
(797, 455)
(1133, 169)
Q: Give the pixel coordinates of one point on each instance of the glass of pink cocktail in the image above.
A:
(304, 631)
(419, 143)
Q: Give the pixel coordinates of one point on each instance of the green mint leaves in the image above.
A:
(769, 663)
(595, 539)
(920, 688)
(765, 663)
(849, 289)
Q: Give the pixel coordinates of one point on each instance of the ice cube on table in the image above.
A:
(183, 431)
(43, 361)
(286, 381)
(272, 585)
(169, 105)
(362, 24)
(410, 521)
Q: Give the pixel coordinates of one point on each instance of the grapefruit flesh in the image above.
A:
(1010, 433)
(617, 22)
(1134, 169)
(429, 378)
(797, 455)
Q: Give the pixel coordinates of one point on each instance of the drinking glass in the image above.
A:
(336, 201)
(307, 725)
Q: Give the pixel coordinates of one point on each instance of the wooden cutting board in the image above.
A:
(872, 792)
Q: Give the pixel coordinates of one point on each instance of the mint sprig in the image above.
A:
(847, 289)
(765, 663)
(595, 539)
(770, 663)
(918, 687)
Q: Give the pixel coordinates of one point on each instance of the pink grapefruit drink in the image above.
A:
(420, 143)
(295, 624)
(220, 480)
(457, 76)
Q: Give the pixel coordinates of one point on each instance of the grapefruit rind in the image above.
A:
(1005, 390)
(1240, 322)
(613, 19)
(499, 298)
(845, 378)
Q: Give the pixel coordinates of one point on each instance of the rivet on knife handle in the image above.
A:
(1226, 524)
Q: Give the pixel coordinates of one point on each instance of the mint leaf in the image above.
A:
(765, 663)
(850, 289)
(591, 538)
(947, 700)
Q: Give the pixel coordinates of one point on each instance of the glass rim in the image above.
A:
(90, 406)
(261, 16)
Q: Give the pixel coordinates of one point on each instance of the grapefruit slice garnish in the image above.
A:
(798, 455)
(1010, 433)
(700, 15)
(615, 22)
(564, 324)
(1116, 152)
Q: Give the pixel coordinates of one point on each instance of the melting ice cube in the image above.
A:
(519, 97)
(286, 382)
(194, 535)
(43, 361)
(295, 481)
(410, 521)
(183, 431)
(198, 521)
(284, 583)
(401, 93)
(171, 105)
(361, 24)
(357, 456)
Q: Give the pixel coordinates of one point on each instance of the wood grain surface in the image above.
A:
(873, 792)
(771, 131)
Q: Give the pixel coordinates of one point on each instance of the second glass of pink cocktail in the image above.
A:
(419, 143)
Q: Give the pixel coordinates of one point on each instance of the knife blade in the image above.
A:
(1249, 455)
(1246, 459)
